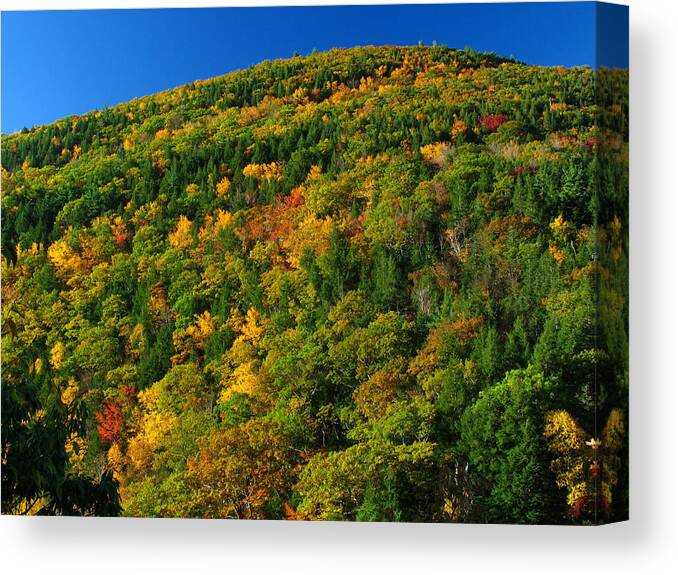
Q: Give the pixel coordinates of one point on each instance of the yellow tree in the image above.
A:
(587, 467)
(435, 154)
(181, 237)
(223, 186)
(242, 472)
(272, 172)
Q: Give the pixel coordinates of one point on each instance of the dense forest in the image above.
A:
(370, 284)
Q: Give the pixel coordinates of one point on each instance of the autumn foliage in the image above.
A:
(371, 284)
(110, 422)
(493, 121)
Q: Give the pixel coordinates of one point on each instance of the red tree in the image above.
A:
(493, 121)
(110, 422)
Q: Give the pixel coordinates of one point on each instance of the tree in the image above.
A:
(587, 467)
(501, 437)
(181, 237)
(35, 474)
(244, 472)
(223, 186)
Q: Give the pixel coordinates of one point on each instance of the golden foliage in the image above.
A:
(136, 341)
(238, 470)
(243, 379)
(163, 134)
(466, 329)
(56, 355)
(588, 469)
(373, 396)
(75, 447)
(250, 114)
(563, 432)
(566, 440)
(70, 392)
(458, 129)
(431, 355)
(312, 232)
(181, 237)
(251, 330)
(66, 261)
(300, 96)
(193, 338)
(224, 219)
(156, 423)
(560, 228)
(615, 228)
(214, 224)
(435, 153)
(223, 186)
(158, 302)
(314, 173)
(556, 253)
(116, 460)
(272, 172)
(204, 325)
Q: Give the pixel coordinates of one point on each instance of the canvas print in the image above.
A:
(362, 263)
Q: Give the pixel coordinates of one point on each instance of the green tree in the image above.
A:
(502, 438)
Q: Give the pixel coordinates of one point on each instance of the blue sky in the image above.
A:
(58, 63)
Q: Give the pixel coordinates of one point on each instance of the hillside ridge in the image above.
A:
(229, 75)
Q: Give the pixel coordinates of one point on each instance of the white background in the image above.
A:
(648, 543)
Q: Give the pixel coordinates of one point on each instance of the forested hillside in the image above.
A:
(373, 284)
